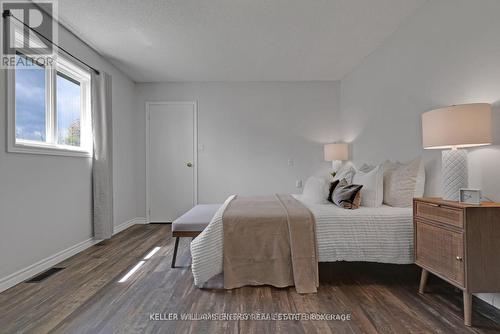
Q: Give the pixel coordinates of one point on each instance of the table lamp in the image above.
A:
(336, 153)
(454, 128)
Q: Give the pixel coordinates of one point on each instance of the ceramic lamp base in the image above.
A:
(336, 165)
(454, 170)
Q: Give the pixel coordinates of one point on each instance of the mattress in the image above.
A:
(383, 234)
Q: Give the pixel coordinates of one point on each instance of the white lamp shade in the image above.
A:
(459, 126)
(335, 152)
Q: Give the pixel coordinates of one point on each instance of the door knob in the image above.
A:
(189, 164)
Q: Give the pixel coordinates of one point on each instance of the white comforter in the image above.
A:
(383, 234)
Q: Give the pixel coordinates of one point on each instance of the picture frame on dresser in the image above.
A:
(458, 242)
(470, 196)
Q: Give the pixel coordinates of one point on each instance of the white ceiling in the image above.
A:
(235, 40)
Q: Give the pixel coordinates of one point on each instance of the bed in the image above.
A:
(383, 234)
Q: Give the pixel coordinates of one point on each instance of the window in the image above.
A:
(30, 102)
(68, 110)
(49, 108)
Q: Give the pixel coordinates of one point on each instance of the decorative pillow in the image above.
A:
(334, 185)
(346, 172)
(365, 168)
(402, 182)
(420, 184)
(390, 166)
(372, 193)
(347, 196)
(315, 190)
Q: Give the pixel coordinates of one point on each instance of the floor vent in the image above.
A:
(46, 274)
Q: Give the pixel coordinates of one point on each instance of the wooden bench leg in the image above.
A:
(175, 252)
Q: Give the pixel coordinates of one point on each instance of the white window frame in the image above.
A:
(50, 146)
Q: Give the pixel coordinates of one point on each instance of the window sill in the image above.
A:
(48, 150)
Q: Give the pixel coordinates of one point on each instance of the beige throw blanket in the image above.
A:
(270, 240)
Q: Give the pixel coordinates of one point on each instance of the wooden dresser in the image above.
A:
(459, 243)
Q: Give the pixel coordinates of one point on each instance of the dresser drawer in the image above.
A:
(441, 251)
(441, 214)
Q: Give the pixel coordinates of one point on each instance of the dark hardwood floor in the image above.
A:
(87, 298)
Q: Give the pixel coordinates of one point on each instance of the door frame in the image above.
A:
(195, 151)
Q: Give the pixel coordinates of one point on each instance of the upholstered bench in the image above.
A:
(192, 223)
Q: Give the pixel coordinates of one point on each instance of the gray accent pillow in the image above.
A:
(347, 196)
(333, 185)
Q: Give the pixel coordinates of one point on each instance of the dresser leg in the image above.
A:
(423, 280)
(467, 308)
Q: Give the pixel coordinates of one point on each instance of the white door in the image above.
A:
(171, 159)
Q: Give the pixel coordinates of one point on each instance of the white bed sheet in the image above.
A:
(383, 234)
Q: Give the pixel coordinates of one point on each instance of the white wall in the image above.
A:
(250, 130)
(448, 53)
(46, 201)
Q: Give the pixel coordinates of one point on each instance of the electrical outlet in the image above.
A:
(290, 162)
(298, 184)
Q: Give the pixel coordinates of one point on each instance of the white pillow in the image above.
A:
(372, 192)
(402, 182)
(315, 191)
(420, 184)
(366, 168)
(346, 172)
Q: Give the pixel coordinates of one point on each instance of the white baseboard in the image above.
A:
(48, 262)
(42, 265)
(127, 224)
